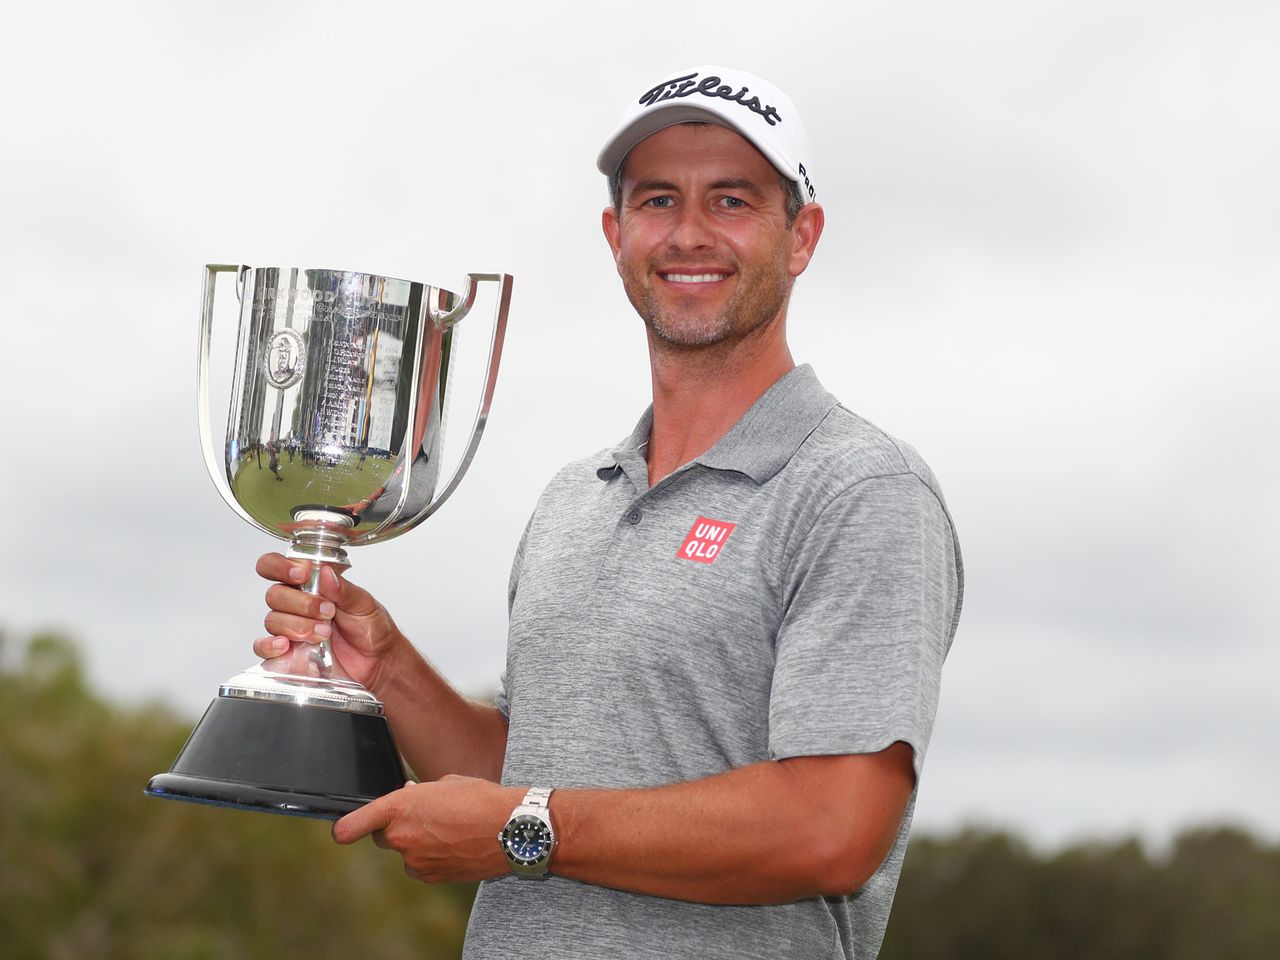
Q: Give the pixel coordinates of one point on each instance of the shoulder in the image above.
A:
(856, 495)
(572, 489)
(846, 450)
(561, 503)
(578, 473)
(852, 485)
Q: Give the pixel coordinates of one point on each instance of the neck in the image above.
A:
(699, 393)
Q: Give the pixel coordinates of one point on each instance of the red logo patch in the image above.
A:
(705, 540)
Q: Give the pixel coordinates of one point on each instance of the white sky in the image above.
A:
(1050, 264)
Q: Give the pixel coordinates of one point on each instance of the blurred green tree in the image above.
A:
(90, 868)
(1223, 890)
(984, 895)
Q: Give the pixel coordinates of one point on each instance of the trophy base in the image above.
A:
(334, 692)
(296, 759)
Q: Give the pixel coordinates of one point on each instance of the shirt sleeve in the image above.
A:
(501, 700)
(872, 597)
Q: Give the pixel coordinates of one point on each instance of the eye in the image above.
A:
(733, 203)
(659, 202)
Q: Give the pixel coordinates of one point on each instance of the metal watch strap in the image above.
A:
(536, 803)
(537, 797)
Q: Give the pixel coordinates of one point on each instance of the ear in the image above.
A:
(612, 230)
(805, 233)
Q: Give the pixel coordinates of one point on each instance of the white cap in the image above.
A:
(731, 98)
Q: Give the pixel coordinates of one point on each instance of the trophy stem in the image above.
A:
(308, 673)
(321, 541)
(319, 535)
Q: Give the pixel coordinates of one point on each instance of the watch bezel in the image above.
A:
(543, 826)
(543, 823)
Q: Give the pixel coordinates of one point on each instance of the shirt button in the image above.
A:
(632, 516)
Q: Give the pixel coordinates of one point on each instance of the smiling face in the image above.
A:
(702, 242)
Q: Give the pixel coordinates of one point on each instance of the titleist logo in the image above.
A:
(687, 86)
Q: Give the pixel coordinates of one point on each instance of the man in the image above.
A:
(726, 632)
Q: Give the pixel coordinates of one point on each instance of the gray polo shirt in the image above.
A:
(791, 592)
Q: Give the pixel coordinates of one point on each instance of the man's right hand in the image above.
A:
(360, 632)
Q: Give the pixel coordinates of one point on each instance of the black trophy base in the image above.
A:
(299, 760)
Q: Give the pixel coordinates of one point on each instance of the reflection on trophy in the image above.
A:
(334, 437)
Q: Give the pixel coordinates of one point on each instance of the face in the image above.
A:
(702, 242)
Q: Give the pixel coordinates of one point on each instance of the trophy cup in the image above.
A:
(334, 438)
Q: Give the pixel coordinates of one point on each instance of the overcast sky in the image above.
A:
(1050, 264)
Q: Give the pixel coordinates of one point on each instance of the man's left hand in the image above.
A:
(446, 831)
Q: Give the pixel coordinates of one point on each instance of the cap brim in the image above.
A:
(669, 115)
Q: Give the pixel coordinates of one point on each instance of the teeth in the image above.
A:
(695, 277)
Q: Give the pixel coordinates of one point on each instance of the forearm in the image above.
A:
(767, 833)
(438, 730)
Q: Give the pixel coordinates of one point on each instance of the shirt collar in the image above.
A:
(629, 456)
(760, 444)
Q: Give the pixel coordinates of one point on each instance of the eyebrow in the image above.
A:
(647, 186)
(739, 184)
(663, 186)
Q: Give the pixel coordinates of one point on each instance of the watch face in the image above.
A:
(527, 838)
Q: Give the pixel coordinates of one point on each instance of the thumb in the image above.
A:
(347, 597)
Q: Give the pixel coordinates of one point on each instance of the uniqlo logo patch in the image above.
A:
(705, 540)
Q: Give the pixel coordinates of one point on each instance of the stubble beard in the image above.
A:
(759, 298)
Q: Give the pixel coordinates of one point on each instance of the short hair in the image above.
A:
(791, 189)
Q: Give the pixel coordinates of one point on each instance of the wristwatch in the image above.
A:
(528, 838)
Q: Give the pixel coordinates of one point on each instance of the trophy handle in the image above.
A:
(490, 378)
(212, 462)
(445, 319)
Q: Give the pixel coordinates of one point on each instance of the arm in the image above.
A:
(770, 832)
(437, 729)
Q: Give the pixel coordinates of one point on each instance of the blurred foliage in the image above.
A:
(90, 868)
(984, 895)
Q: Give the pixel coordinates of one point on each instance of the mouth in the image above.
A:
(692, 277)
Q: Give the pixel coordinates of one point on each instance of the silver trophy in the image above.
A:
(334, 436)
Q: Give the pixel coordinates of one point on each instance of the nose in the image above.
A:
(692, 228)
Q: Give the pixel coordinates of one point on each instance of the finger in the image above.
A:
(268, 648)
(287, 599)
(297, 628)
(411, 873)
(364, 820)
(351, 599)
(277, 567)
(379, 838)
